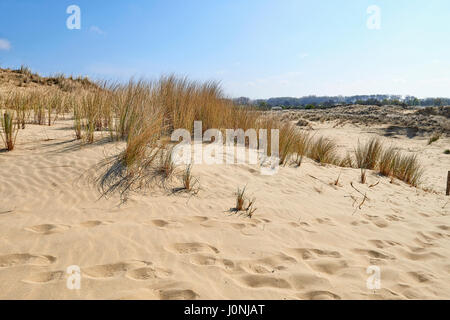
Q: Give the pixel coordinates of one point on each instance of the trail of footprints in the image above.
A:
(134, 270)
(264, 272)
(254, 274)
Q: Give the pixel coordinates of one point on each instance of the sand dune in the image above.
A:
(307, 240)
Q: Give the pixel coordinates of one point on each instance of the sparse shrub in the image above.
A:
(447, 151)
(435, 137)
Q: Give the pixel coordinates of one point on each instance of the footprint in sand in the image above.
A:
(20, 259)
(193, 247)
(260, 281)
(307, 254)
(2, 212)
(326, 221)
(268, 265)
(94, 223)
(161, 223)
(308, 280)
(198, 219)
(378, 221)
(374, 254)
(238, 226)
(319, 295)
(421, 276)
(329, 266)
(47, 229)
(113, 270)
(394, 217)
(205, 260)
(380, 244)
(175, 294)
(148, 273)
(419, 256)
(357, 223)
(251, 267)
(45, 277)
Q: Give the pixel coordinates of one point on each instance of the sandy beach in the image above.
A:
(310, 238)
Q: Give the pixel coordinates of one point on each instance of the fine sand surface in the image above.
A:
(307, 240)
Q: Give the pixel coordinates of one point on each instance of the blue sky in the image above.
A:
(256, 48)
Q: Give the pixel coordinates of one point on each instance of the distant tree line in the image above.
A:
(311, 102)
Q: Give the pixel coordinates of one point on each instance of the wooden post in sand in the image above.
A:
(448, 184)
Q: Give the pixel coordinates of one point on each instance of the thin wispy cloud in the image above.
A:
(97, 30)
(303, 55)
(5, 44)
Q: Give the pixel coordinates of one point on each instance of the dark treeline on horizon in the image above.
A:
(311, 102)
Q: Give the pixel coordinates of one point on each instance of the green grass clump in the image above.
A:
(9, 130)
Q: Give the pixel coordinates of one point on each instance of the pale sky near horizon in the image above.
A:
(256, 48)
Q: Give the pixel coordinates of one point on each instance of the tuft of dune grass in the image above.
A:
(10, 129)
(323, 150)
(408, 169)
(367, 155)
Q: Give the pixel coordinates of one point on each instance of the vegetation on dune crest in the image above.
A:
(145, 113)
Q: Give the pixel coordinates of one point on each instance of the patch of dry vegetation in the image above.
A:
(145, 113)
